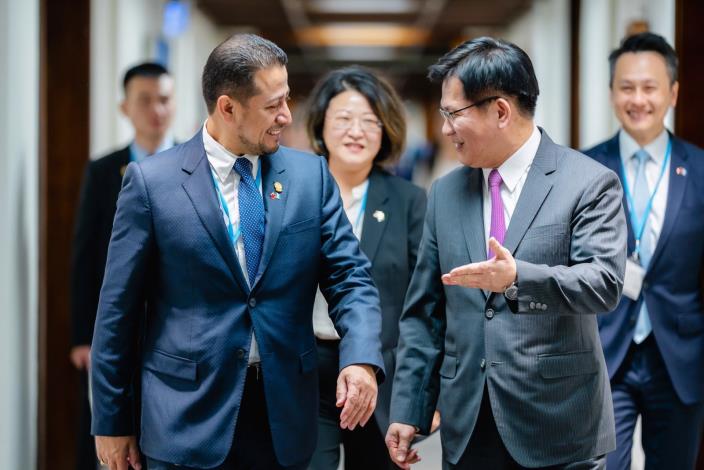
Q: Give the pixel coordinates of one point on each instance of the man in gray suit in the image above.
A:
(521, 248)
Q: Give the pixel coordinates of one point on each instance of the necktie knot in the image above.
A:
(243, 167)
(495, 178)
(641, 156)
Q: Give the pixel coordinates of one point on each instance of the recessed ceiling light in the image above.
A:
(362, 34)
(363, 6)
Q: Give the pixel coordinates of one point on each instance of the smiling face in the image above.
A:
(352, 132)
(642, 93)
(260, 120)
(472, 131)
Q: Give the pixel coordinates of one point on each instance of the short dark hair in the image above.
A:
(645, 42)
(231, 67)
(488, 66)
(382, 98)
(145, 69)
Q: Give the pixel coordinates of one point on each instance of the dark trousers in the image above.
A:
(364, 446)
(486, 450)
(86, 458)
(671, 430)
(252, 446)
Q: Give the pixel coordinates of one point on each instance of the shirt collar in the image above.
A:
(656, 149)
(139, 153)
(222, 160)
(517, 164)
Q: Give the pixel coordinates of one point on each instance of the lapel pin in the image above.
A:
(274, 195)
(379, 216)
(123, 169)
(278, 187)
(681, 171)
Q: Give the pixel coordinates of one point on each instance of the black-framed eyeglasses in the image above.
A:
(451, 115)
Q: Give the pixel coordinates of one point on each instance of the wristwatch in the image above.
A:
(511, 292)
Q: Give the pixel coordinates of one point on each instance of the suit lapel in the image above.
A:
(273, 171)
(472, 215)
(201, 190)
(374, 227)
(535, 190)
(676, 187)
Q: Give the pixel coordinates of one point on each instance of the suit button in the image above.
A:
(633, 319)
(489, 313)
(482, 364)
(252, 302)
(645, 285)
(240, 354)
(532, 305)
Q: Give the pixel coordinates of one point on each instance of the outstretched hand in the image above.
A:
(494, 274)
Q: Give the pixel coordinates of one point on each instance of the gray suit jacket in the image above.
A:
(541, 359)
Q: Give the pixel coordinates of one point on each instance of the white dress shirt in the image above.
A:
(656, 149)
(322, 324)
(514, 172)
(222, 163)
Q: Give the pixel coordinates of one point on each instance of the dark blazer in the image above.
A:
(671, 287)
(540, 359)
(393, 225)
(170, 247)
(96, 210)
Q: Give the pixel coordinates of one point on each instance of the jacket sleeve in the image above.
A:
(346, 283)
(422, 329)
(113, 355)
(593, 280)
(85, 273)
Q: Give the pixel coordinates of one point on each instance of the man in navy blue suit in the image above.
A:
(225, 238)
(654, 340)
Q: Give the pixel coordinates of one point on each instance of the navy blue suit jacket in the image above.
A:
(672, 285)
(170, 248)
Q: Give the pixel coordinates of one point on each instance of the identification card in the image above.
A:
(634, 279)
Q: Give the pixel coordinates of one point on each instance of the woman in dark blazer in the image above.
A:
(357, 122)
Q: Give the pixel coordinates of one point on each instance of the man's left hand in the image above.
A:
(494, 275)
(356, 395)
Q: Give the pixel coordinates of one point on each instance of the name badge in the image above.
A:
(633, 283)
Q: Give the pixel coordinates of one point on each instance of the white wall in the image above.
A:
(544, 33)
(124, 33)
(603, 24)
(19, 167)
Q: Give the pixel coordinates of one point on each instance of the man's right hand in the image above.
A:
(398, 441)
(80, 357)
(118, 452)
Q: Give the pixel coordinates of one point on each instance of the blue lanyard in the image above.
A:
(361, 211)
(234, 234)
(639, 226)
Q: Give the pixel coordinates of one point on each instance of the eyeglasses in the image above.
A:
(367, 124)
(451, 115)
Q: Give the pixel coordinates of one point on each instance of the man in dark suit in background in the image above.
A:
(654, 340)
(521, 248)
(148, 104)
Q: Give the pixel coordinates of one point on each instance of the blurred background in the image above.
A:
(62, 64)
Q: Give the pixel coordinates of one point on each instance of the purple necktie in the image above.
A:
(498, 225)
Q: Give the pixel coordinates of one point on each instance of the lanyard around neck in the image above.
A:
(639, 225)
(234, 234)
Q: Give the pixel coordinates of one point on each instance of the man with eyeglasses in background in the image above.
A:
(522, 247)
